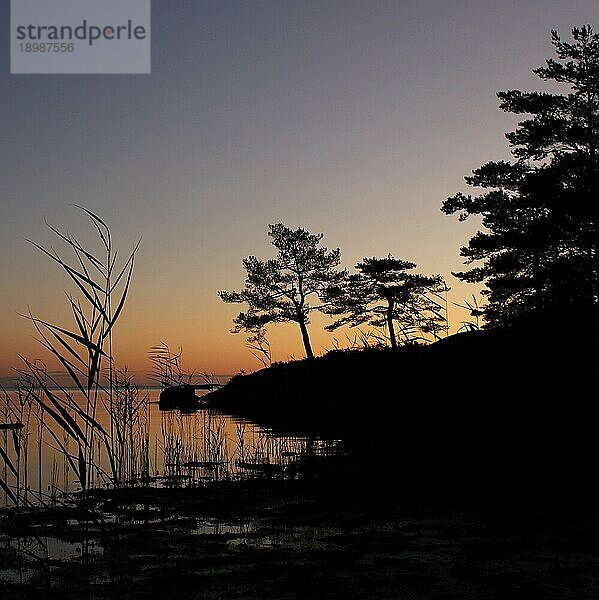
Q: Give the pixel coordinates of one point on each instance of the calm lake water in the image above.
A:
(154, 447)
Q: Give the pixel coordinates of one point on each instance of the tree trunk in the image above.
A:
(306, 338)
(390, 325)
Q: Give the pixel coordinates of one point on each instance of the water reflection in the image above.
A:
(158, 448)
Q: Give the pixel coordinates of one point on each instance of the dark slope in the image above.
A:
(493, 408)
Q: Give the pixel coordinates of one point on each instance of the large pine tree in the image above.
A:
(540, 211)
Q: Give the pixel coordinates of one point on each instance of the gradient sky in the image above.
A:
(351, 118)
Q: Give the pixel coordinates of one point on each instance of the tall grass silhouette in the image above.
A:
(84, 351)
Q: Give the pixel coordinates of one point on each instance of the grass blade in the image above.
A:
(8, 462)
(8, 491)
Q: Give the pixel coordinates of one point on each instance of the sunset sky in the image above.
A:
(351, 118)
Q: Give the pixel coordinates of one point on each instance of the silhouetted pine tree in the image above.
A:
(281, 289)
(540, 249)
(384, 294)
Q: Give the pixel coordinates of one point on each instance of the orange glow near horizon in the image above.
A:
(173, 296)
(200, 325)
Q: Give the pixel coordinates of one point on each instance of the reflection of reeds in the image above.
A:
(19, 411)
(240, 440)
(191, 449)
(204, 447)
(215, 444)
(194, 449)
(130, 419)
(171, 445)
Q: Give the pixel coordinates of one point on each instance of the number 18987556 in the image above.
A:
(46, 47)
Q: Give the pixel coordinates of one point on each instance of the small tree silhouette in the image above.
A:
(382, 293)
(280, 289)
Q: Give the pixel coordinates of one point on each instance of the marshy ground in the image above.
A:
(296, 539)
